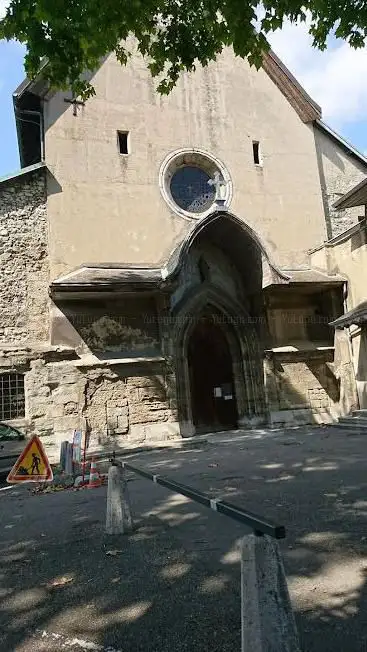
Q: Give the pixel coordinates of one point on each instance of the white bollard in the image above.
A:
(118, 515)
(126, 506)
(268, 623)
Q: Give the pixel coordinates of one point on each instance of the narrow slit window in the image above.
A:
(123, 141)
(12, 403)
(256, 152)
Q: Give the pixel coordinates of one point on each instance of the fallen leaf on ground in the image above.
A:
(212, 465)
(113, 553)
(115, 580)
(61, 581)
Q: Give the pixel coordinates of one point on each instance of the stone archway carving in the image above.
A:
(236, 232)
(244, 347)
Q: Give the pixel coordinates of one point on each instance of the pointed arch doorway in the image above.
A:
(211, 377)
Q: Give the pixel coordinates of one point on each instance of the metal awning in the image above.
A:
(356, 316)
(106, 277)
(355, 197)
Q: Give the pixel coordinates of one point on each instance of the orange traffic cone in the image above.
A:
(94, 477)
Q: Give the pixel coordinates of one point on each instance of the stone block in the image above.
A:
(66, 423)
(117, 411)
(145, 416)
(44, 390)
(122, 424)
(291, 417)
(146, 381)
(154, 432)
(116, 403)
(267, 618)
(38, 408)
(71, 408)
(133, 395)
(62, 396)
(56, 410)
(152, 393)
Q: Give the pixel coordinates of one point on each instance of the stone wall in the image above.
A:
(301, 388)
(24, 260)
(339, 173)
(118, 404)
(127, 326)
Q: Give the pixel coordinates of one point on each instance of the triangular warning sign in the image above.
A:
(32, 465)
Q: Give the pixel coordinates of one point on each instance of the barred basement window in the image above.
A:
(12, 403)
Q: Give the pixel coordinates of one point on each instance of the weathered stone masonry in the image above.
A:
(129, 402)
(24, 260)
(116, 404)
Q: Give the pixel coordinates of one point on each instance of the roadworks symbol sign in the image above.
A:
(32, 465)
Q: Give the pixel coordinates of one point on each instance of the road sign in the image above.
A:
(32, 465)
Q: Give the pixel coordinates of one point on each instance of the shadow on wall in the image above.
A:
(306, 387)
(175, 583)
(358, 239)
(123, 327)
(121, 398)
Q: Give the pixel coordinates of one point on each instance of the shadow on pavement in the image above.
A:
(174, 584)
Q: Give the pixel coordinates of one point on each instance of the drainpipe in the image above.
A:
(345, 305)
(350, 340)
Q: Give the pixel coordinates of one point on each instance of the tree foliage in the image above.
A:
(173, 35)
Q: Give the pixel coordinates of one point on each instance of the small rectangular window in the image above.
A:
(12, 403)
(256, 152)
(123, 141)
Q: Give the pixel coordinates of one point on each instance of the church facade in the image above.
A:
(158, 254)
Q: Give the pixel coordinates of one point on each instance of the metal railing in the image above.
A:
(258, 524)
(266, 610)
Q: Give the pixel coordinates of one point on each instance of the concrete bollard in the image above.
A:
(69, 459)
(118, 514)
(63, 449)
(268, 623)
(127, 515)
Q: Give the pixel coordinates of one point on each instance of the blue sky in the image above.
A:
(335, 79)
(11, 74)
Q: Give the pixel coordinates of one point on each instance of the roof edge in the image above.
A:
(356, 316)
(23, 172)
(295, 81)
(344, 201)
(348, 147)
(307, 109)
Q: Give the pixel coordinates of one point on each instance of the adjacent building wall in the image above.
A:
(301, 387)
(348, 256)
(339, 172)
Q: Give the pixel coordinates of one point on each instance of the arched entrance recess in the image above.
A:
(197, 292)
(233, 392)
(211, 377)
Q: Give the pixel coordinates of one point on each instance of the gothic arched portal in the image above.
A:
(221, 385)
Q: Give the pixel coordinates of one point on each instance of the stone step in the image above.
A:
(350, 422)
(359, 419)
(360, 413)
(362, 421)
(355, 419)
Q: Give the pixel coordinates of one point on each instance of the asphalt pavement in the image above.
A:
(174, 584)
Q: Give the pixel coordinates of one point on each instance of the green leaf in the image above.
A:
(173, 35)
